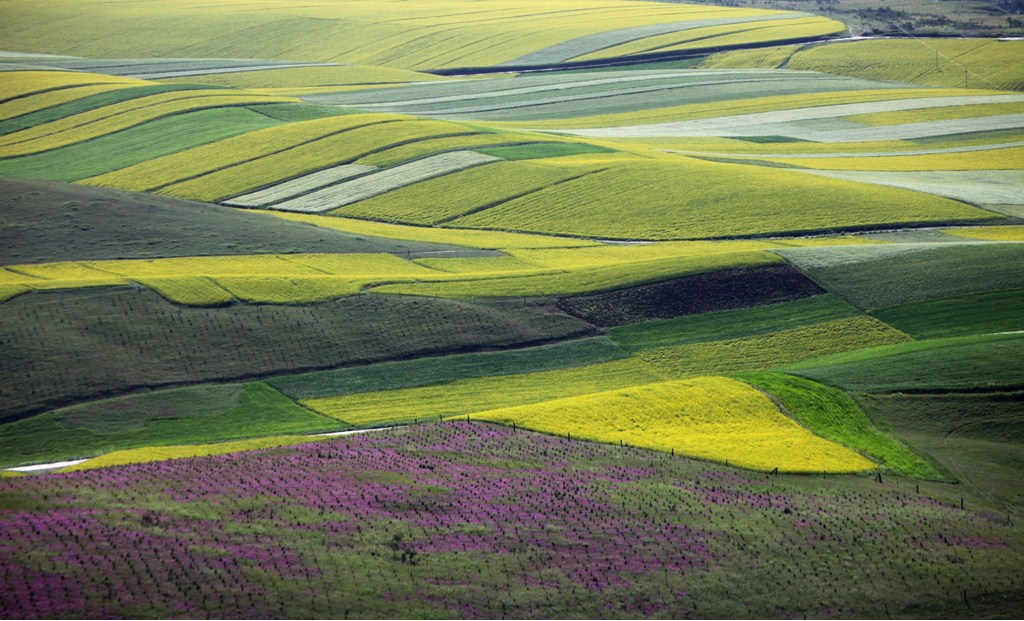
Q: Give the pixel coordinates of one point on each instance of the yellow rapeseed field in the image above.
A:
(712, 418)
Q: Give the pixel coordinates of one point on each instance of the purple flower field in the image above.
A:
(480, 521)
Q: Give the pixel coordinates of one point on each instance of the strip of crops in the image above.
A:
(189, 290)
(123, 93)
(751, 354)
(754, 123)
(473, 239)
(877, 276)
(985, 362)
(451, 196)
(473, 395)
(711, 418)
(754, 102)
(446, 369)
(46, 99)
(109, 119)
(590, 44)
(139, 144)
(306, 183)
(979, 187)
(386, 180)
(585, 279)
(981, 313)
(166, 170)
(491, 143)
(312, 77)
(732, 324)
(778, 27)
(344, 147)
(196, 414)
(685, 198)
(17, 84)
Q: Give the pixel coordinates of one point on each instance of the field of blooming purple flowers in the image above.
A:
(473, 520)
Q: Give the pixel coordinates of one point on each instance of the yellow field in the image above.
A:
(32, 103)
(924, 115)
(165, 170)
(733, 107)
(674, 197)
(163, 453)
(763, 352)
(211, 281)
(475, 395)
(758, 58)
(188, 290)
(712, 418)
(331, 150)
(990, 233)
(450, 196)
(107, 119)
(489, 240)
(430, 33)
(406, 152)
(20, 83)
(974, 63)
(728, 34)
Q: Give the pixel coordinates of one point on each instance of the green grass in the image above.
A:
(975, 438)
(429, 371)
(90, 103)
(982, 313)
(731, 324)
(193, 415)
(543, 150)
(66, 347)
(137, 144)
(834, 415)
(890, 275)
(989, 362)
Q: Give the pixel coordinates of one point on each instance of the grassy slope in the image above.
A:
(982, 313)
(48, 221)
(67, 347)
(988, 362)
(878, 276)
(192, 415)
(834, 415)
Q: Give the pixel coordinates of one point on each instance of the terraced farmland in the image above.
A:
(512, 309)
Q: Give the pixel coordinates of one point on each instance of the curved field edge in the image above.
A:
(834, 415)
(711, 418)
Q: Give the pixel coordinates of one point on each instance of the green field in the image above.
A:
(610, 308)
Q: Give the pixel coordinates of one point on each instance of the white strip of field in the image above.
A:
(978, 187)
(383, 181)
(356, 98)
(603, 40)
(53, 466)
(772, 156)
(777, 122)
(622, 92)
(300, 185)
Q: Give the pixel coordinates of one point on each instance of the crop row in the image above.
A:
(779, 27)
(294, 187)
(163, 171)
(347, 192)
(96, 123)
(687, 198)
(345, 147)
